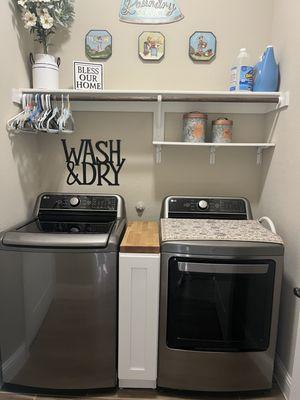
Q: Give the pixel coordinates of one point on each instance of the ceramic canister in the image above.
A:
(194, 127)
(222, 130)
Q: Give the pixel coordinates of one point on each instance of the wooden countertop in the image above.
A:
(141, 237)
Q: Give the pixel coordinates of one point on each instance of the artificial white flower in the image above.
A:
(46, 21)
(22, 3)
(30, 19)
(43, 17)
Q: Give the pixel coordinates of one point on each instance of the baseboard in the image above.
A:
(283, 378)
(136, 384)
(13, 365)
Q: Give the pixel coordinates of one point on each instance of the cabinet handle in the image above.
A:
(297, 291)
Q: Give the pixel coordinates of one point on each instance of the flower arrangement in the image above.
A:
(44, 17)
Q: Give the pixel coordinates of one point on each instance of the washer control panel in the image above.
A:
(212, 207)
(78, 202)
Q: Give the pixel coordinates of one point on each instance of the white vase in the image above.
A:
(45, 73)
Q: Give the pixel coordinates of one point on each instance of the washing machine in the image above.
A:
(58, 295)
(221, 275)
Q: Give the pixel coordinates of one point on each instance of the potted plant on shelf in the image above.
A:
(43, 18)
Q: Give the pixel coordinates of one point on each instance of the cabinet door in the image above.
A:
(138, 319)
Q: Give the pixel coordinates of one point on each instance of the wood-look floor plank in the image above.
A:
(14, 396)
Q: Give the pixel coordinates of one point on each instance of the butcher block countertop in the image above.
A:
(141, 237)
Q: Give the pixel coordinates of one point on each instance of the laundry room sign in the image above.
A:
(96, 163)
(150, 11)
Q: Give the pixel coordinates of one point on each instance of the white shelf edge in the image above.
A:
(167, 95)
(263, 145)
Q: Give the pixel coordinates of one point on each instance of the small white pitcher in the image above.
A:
(45, 73)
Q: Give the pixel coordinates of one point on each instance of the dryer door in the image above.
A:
(222, 305)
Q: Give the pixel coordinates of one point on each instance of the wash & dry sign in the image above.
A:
(96, 163)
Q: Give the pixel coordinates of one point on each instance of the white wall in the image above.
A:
(281, 178)
(19, 179)
(18, 155)
(183, 171)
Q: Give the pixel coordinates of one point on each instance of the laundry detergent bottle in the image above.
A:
(242, 73)
(266, 73)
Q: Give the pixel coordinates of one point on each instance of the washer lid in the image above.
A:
(71, 227)
(51, 240)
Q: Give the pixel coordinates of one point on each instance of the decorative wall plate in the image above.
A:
(202, 46)
(151, 46)
(98, 44)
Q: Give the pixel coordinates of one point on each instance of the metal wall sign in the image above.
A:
(150, 11)
(96, 163)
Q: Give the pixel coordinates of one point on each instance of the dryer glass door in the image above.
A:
(220, 305)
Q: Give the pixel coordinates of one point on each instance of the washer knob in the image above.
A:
(203, 204)
(74, 201)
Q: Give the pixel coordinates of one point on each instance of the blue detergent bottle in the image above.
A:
(266, 73)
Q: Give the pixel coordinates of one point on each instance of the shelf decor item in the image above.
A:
(43, 18)
(88, 75)
(222, 130)
(151, 46)
(98, 44)
(202, 46)
(194, 127)
(149, 11)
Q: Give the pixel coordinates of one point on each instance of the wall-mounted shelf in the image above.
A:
(213, 147)
(248, 102)
(161, 102)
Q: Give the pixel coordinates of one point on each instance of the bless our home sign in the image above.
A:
(94, 164)
(88, 76)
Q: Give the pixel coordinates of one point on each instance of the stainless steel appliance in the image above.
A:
(58, 294)
(219, 304)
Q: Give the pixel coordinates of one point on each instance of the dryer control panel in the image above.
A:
(206, 208)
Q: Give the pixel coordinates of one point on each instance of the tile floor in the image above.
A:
(140, 394)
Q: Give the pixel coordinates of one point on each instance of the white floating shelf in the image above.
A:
(259, 102)
(213, 146)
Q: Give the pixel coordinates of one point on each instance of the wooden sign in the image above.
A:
(88, 76)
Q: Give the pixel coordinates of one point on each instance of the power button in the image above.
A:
(74, 201)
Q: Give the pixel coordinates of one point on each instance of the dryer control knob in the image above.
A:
(74, 201)
(203, 204)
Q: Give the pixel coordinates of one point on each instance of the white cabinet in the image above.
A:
(138, 319)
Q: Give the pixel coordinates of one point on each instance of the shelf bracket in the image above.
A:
(284, 100)
(158, 121)
(16, 96)
(212, 155)
(259, 156)
(158, 151)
